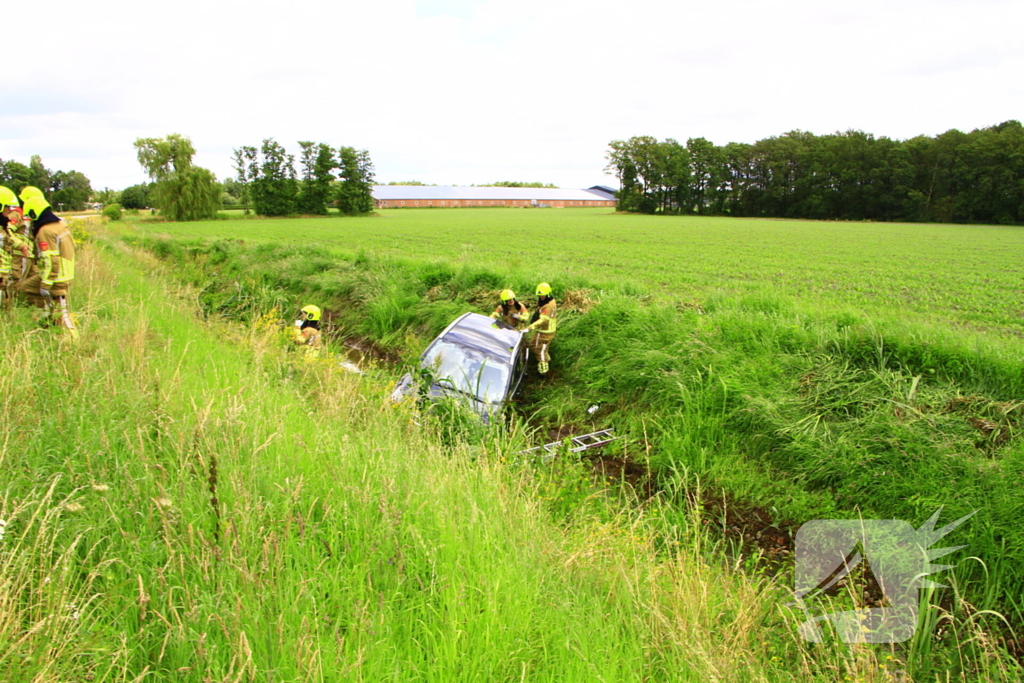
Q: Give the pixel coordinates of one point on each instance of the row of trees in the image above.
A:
(65, 190)
(267, 179)
(975, 177)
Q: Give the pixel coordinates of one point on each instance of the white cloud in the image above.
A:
(471, 92)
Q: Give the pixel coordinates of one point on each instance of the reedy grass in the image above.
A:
(808, 411)
(185, 502)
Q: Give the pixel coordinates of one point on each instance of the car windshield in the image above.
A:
(468, 370)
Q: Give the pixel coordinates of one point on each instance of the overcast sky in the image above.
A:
(470, 92)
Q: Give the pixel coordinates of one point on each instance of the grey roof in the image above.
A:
(446, 192)
(480, 332)
(598, 189)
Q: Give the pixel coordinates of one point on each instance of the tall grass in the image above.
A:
(183, 501)
(799, 410)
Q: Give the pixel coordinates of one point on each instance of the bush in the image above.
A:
(135, 197)
(112, 211)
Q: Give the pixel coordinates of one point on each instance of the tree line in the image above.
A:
(955, 177)
(65, 190)
(267, 179)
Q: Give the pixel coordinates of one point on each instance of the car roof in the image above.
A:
(478, 331)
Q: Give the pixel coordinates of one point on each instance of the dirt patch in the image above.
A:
(565, 431)
(623, 469)
(753, 529)
(367, 349)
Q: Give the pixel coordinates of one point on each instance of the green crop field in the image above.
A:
(966, 275)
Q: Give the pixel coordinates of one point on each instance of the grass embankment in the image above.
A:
(805, 411)
(183, 502)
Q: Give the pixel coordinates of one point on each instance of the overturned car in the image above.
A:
(475, 359)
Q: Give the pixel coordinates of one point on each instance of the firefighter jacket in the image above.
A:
(10, 247)
(55, 254)
(547, 318)
(515, 317)
(308, 336)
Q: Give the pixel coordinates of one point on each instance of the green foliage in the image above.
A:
(80, 230)
(513, 183)
(107, 196)
(955, 177)
(857, 403)
(654, 177)
(274, 188)
(189, 195)
(355, 192)
(70, 191)
(247, 170)
(65, 190)
(15, 175)
(246, 517)
(112, 211)
(318, 166)
(182, 192)
(39, 175)
(135, 196)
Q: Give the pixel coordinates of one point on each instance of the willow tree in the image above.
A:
(183, 192)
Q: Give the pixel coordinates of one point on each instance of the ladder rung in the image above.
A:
(581, 442)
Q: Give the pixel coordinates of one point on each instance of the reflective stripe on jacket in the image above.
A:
(548, 318)
(56, 263)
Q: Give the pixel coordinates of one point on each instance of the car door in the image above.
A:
(519, 363)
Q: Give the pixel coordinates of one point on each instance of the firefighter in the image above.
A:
(307, 331)
(11, 243)
(510, 311)
(24, 265)
(47, 288)
(543, 324)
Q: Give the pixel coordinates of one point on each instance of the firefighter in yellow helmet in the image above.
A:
(307, 331)
(510, 311)
(29, 192)
(24, 263)
(55, 263)
(11, 243)
(543, 323)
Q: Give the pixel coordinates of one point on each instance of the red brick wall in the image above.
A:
(507, 203)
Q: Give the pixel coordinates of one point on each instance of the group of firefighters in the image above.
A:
(37, 256)
(37, 261)
(542, 323)
(510, 311)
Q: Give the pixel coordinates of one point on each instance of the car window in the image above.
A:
(467, 370)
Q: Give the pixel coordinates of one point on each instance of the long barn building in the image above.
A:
(434, 196)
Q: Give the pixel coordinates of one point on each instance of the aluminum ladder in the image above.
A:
(575, 445)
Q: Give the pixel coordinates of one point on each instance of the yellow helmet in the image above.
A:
(507, 294)
(312, 312)
(28, 192)
(34, 207)
(7, 197)
(543, 289)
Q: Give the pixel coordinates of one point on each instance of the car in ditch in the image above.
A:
(476, 360)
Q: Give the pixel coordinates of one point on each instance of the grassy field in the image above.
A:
(184, 501)
(781, 396)
(964, 275)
